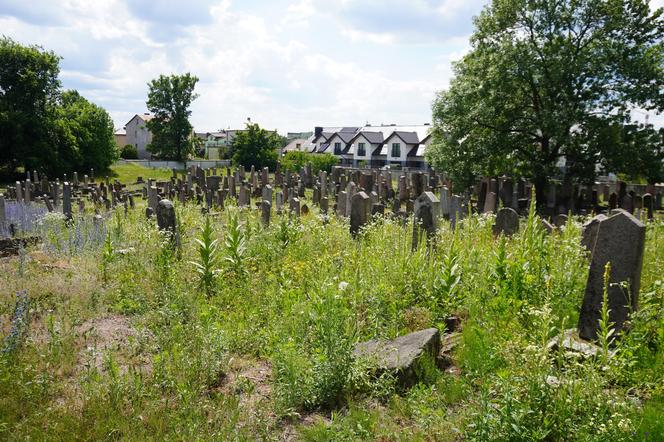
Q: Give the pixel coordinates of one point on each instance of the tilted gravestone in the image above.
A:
(620, 240)
(507, 222)
(426, 217)
(359, 212)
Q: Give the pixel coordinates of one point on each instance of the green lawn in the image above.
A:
(128, 173)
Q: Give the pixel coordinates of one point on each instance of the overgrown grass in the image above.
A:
(293, 299)
(128, 173)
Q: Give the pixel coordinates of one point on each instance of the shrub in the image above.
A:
(129, 152)
(295, 160)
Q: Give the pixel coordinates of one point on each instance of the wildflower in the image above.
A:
(19, 322)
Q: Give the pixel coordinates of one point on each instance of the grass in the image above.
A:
(127, 341)
(128, 173)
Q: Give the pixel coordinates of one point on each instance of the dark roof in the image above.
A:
(407, 137)
(326, 136)
(372, 137)
(346, 137)
(323, 147)
(351, 130)
(413, 151)
(377, 150)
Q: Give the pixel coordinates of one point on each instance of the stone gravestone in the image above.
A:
(648, 205)
(266, 207)
(359, 212)
(324, 204)
(619, 240)
(507, 222)
(490, 203)
(3, 216)
(589, 234)
(166, 218)
(426, 217)
(66, 200)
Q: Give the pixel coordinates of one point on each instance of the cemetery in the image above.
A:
(235, 304)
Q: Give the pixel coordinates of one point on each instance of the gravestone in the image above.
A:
(243, 199)
(66, 200)
(648, 205)
(359, 212)
(295, 206)
(279, 201)
(426, 217)
(341, 203)
(619, 240)
(324, 205)
(507, 222)
(490, 203)
(166, 216)
(266, 208)
(560, 220)
(547, 226)
(3, 216)
(589, 233)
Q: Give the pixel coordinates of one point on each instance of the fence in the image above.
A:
(180, 165)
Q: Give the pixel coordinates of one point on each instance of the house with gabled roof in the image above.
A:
(363, 145)
(138, 134)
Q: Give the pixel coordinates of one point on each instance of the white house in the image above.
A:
(398, 145)
(363, 146)
(138, 134)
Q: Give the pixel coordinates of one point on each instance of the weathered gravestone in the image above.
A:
(490, 203)
(66, 200)
(3, 216)
(266, 208)
(619, 240)
(507, 222)
(359, 212)
(589, 233)
(166, 216)
(427, 208)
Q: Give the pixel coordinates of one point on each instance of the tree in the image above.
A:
(28, 90)
(256, 146)
(552, 79)
(90, 143)
(169, 98)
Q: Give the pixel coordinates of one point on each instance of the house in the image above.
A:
(218, 143)
(373, 146)
(120, 137)
(138, 134)
(294, 145)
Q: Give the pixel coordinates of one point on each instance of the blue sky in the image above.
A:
(287, 64)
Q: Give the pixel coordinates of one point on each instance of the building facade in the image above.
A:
(138, 135)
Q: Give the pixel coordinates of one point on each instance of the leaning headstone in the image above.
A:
(560, 220)
(507, 222)
(359, 212)
(546, 225)
(620, 240)
(426, 217)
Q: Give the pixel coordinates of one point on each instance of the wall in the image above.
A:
(139, 136)
(160, 164)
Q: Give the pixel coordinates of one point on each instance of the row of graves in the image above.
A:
(615, 235)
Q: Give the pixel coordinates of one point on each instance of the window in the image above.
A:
(337, 148)
(298, 146)
(361, 150)
(396, 150)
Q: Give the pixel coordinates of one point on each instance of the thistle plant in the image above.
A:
(235, 245)
(207, 251)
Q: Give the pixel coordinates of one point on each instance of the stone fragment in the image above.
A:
(403, 356)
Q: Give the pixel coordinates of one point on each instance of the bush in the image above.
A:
(295, 160)
(129, 152)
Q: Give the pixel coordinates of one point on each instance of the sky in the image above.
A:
(288, 65)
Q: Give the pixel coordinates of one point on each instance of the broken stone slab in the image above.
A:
(11, 246)
(571, 342)
(402, 356)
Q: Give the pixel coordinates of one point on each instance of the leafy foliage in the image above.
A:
(547, 80)
(169, 99)
(296, 160)
(129, 152)
(256, 146)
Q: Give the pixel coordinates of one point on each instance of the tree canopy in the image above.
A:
(169, 98)
(256, 146)
(42, 127)
(547, 80)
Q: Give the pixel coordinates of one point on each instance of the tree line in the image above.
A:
(42, 126)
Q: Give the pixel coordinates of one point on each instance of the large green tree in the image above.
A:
(29, 88)
(86, 134)
(256, 146)
(552, 79)
(169, 98)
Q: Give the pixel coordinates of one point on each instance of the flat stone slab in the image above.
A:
(401, 355)
(571, 342)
